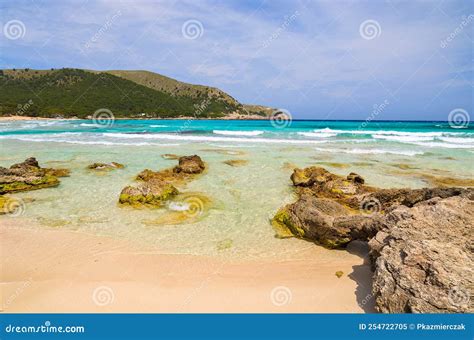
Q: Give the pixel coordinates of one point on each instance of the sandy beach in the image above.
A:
(62, 271)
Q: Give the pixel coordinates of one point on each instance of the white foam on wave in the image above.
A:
(237, 133)
(158, 125)
(404, 139)
(371, 151)
(457, 140)
(390, 132)
(317, 134)
(191, 138)
(81, 142)
(445, 145)
(88, 124)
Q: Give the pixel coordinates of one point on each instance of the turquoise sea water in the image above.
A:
(236, 222)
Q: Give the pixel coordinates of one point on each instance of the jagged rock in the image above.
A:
(424, 257)
(421, 241)
(324, 221)
(105, 166)
(190, 165)
(333, 210)
(155, 187)
(28, 175)
(355, 178)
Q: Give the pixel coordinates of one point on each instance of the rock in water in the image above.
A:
(105, 166)
(424, 258)
(152, 193)
(190, 165)
(28, 175)
(421, 241)
(156, 187)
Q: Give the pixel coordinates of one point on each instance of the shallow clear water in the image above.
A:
(386, 154)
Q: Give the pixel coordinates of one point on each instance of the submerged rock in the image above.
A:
(28, 175)
(189, 207)
(236, 162)
(420, 239)
(170, 156)
(152, 193)
(105, 166)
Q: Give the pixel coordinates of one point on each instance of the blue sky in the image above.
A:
(317, 59)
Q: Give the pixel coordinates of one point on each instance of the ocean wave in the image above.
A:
(371, 151)
(237, 133)
(457, 140)
(317, 134)
(81, 142)
(404, 139)
(191, 138)
(158, 125)
(88, 124)
(392, 132)
(445, 145)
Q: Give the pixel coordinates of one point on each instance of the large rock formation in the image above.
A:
(156, 187)
(421, 240)
(28, 175)
(423, 257)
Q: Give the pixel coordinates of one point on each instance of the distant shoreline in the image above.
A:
(20, 118)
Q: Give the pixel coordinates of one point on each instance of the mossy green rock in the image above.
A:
(153, 194)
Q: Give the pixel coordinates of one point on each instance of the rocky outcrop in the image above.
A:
(28, 175)
(190, 165)
(423, 258)
(420, 240)
(105, 166)
(156, 187)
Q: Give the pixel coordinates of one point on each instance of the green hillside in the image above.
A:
(74, 92)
